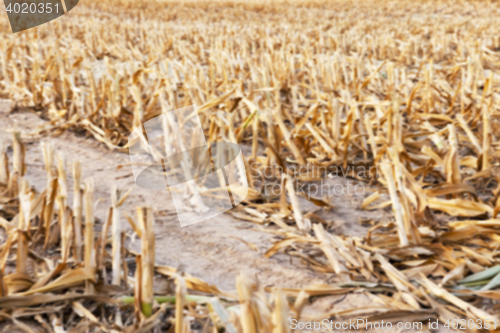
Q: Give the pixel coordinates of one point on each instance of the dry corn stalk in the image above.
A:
(396, 205)
(89, 258)
(117, 199)
(299, 219)
(24, 216)
(77, 208)
(280, 313)
(409, 95)
(19, 154)
(4, 163)
(52, 189)
(64, 211)
(247, 315)
(116, 236)
(180, 295)
(145, 218)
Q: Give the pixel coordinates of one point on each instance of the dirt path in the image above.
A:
(209, 249)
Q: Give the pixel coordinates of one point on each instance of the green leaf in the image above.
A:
(221, 312)
(483, 275)
(171, 299)
(493, 283)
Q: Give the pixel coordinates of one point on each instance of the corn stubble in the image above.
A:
(311, 84)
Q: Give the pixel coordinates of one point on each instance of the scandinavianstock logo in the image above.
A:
(26, 14)
(170, 152)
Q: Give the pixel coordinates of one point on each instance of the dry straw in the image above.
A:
(415, 99)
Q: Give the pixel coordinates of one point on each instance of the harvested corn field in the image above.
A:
(369, 132)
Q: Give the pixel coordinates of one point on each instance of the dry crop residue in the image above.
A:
(407, 88)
